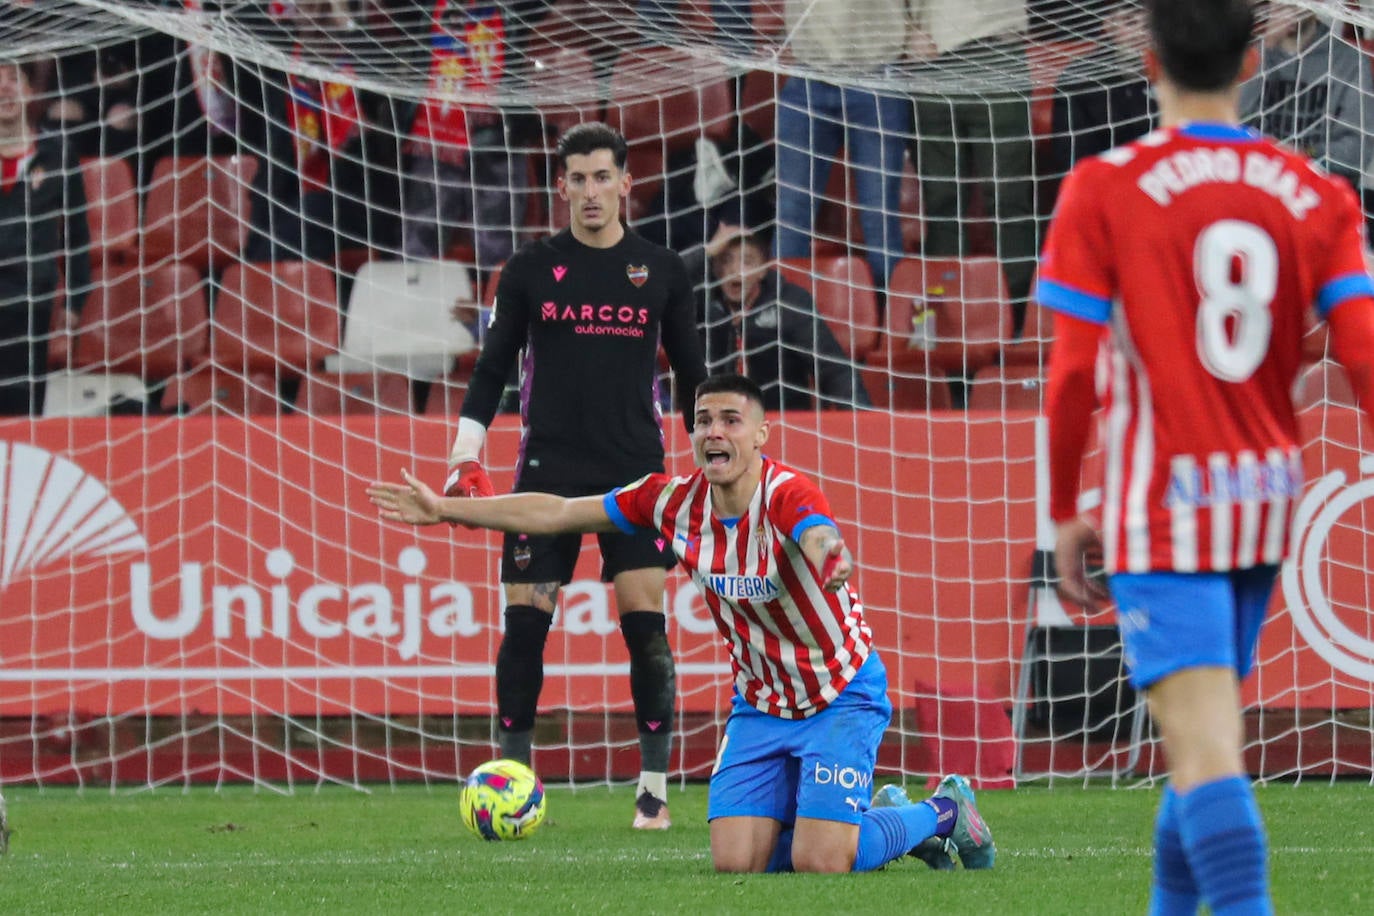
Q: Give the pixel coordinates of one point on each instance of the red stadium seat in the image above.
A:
(112, 210)
(330, 393)
(207, 389)
(150, 323)
(842, 287)
(904, 390)
(275, 317)
(1002, 388)
(969, 296)
(197, 209)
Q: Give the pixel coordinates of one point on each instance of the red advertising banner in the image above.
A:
(211, 564)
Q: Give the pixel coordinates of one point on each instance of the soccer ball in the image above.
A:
(502, 800)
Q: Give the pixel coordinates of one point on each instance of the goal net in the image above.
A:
(248, 249)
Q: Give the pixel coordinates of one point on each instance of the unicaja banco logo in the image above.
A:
(54, 511)
(1304, 585)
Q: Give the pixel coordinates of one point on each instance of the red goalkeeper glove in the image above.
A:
(469, 479)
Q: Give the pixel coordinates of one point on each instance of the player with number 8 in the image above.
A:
(1182, 268)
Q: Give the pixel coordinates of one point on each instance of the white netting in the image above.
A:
(280, 300)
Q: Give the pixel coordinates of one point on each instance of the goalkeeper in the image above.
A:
(792, 780)
(585, 311)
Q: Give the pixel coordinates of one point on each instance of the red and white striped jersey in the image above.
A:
(793, 645)
(1202, 248)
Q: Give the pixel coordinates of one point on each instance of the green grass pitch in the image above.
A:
(404, 850)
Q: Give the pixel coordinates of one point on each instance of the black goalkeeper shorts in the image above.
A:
(533, 558)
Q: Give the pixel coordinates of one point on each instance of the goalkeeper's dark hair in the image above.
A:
(1201, 44)
(730, 383)
(588, 137)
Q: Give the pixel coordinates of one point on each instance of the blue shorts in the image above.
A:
(1172, 621)
(821, 767)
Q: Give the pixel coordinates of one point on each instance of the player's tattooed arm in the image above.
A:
(826, 550)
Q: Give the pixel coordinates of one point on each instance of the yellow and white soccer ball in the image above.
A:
(502, 800)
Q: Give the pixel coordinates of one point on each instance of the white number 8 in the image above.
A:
(1233, 318)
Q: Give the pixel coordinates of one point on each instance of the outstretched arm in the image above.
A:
(525, 513)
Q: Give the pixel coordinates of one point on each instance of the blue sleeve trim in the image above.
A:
(617, 517)
(1073, 302)
(811, 521)
(1342, 288)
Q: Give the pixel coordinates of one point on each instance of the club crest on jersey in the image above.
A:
(638, 275)
(761, 538)
(37, 175)
(521, 555)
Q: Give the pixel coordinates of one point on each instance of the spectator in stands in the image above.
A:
(462, 168)
(978, 138)
(94, 102)
(1313, 91)
(1103, 99)
(756, 323)
(855, 38)
(42, 224)
(709, 183)
(328, 179)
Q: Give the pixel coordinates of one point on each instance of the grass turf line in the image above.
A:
(1061, 851)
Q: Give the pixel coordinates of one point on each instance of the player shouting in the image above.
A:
(794, 772)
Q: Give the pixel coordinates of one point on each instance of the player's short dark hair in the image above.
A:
(1201, 44)
(588, 137)
(730, 383)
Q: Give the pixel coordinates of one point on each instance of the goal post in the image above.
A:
(273, 287)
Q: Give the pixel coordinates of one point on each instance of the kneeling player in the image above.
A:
(794, 773)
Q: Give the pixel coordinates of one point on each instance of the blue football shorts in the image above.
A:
(1172, 621)
(820, 767)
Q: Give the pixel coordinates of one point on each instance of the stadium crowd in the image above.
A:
(918, 277)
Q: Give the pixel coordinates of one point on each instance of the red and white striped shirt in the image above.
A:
(1201, 248)
(793, 646)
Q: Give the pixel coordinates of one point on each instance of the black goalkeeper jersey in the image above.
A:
(586, 324)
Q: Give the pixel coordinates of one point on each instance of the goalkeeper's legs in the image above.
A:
(653, 686)
(520, 667)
